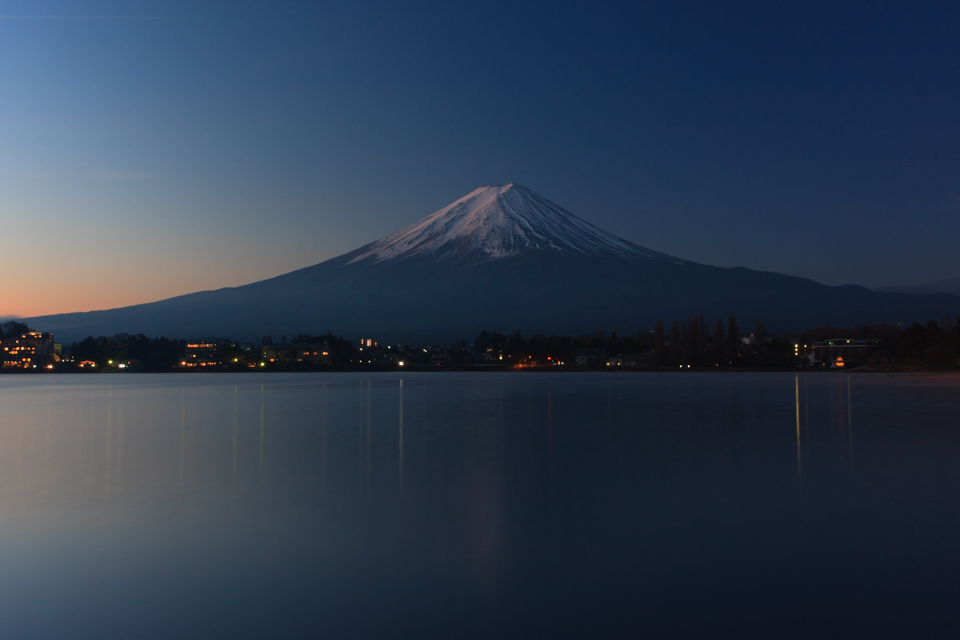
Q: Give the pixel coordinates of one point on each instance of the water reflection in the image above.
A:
(233, 449)
(323, 437)
(183, 431)
(796, 392)
(478, 505)
(849, 417)
(369, 435)
(400, 441)
(261, 441)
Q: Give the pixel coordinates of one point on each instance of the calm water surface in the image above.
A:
(480, 505)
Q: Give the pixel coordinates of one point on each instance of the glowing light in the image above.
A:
(401, 363)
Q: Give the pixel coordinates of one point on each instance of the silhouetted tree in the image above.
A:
(659, 358)
(704, 339)
(693, 340)
(733, 339)
(718, 342)
(759, 333)
(675, 353)
(12, 329)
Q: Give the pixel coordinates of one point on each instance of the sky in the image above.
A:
(151, 149)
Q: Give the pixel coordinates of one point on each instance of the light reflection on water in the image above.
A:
(469, 505)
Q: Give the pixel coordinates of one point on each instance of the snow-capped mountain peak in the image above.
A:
(499, 221)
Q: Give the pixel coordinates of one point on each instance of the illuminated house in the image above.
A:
(28, 350)
(200, 354)
(843, 352)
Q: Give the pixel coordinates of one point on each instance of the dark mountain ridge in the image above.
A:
(951, 286)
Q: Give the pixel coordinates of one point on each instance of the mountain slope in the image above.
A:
(942, 286)
(500, 258)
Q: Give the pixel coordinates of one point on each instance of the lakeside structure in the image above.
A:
(839, 353)
(30, 350)
(286, 353)
(200, 354)
(686, 345)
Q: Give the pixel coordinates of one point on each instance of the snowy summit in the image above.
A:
(500, 221)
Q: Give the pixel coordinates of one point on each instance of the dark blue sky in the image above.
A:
(158, 148)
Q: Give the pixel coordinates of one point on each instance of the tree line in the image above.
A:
(150, 354)
(693, 342)
(934, 344)
(13, 329)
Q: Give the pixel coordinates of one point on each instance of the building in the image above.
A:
(28, 350)
(285, 353)
(200, 354)
(441, 357)
(589, 357)
(621, 360)
(844, 352)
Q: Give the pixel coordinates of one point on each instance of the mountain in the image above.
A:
(941, 286)
(498, 222)
(500, 258)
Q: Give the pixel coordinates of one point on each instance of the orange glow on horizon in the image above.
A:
(52, 288)
(29, 302)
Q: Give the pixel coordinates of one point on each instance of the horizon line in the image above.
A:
(20, 17)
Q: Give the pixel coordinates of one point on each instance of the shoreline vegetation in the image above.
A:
(691, 345)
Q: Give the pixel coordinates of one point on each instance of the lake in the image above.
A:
(469, 505)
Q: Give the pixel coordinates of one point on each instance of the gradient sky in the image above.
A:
(149, 149)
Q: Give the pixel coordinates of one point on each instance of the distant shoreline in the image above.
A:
(892, 369)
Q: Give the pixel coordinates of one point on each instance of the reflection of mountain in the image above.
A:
(500, 258)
